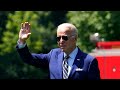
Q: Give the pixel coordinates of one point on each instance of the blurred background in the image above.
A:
(43, 37)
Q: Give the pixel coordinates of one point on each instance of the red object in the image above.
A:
(108, 56)
(108, 45)
(109, 67)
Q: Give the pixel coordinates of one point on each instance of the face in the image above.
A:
(66, 41)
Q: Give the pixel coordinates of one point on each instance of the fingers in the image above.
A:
(25, 27)
(28, 34)
(21, 25)
(26, 24)
(28, 27)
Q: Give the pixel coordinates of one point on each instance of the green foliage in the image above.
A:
(3, 20)
(89, 22)
(10, 37)
(113, 25)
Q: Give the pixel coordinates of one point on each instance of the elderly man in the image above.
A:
(65, 62)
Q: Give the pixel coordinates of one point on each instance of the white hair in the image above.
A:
(70, 26)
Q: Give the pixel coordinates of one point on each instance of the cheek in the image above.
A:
(73, 40)
(70, 43)
(58, 43)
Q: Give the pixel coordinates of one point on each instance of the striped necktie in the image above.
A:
(65, 68)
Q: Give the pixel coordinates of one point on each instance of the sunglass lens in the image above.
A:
(58, 38)
(65, 38)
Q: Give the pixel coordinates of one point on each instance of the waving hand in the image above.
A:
(24, 32)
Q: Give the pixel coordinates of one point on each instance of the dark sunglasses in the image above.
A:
(63, 37)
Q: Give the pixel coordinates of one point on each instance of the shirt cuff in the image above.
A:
(20, 46)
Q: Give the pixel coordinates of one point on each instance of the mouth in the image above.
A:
(62, 46)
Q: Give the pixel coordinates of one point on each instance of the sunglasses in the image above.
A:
(63, 37)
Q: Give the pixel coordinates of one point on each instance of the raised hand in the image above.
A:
(24, 32)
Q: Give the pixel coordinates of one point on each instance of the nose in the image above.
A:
(61, 39)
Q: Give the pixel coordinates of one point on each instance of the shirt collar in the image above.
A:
(73, 53)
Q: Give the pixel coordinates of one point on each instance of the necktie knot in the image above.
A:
(66, 57)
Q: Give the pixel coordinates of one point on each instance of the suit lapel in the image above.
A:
(78, 62)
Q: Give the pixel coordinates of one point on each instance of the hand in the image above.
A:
(24, 32)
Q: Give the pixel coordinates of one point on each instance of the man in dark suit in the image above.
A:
(79, 65)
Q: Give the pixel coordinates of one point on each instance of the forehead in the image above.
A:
(64, 30)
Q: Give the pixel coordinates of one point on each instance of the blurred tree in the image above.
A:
(112, 26)
(3, 20)
(106, 23)
(14, 66)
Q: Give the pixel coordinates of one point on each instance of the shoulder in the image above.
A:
(90, 57)
(56, 50)
(86, 56)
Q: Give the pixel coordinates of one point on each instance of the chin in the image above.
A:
(62, 49)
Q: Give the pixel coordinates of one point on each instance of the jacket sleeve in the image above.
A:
(94, 72)
(37, 60)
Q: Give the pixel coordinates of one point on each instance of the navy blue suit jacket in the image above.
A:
(85, 67)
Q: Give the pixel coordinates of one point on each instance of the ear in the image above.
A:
(74, 37)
